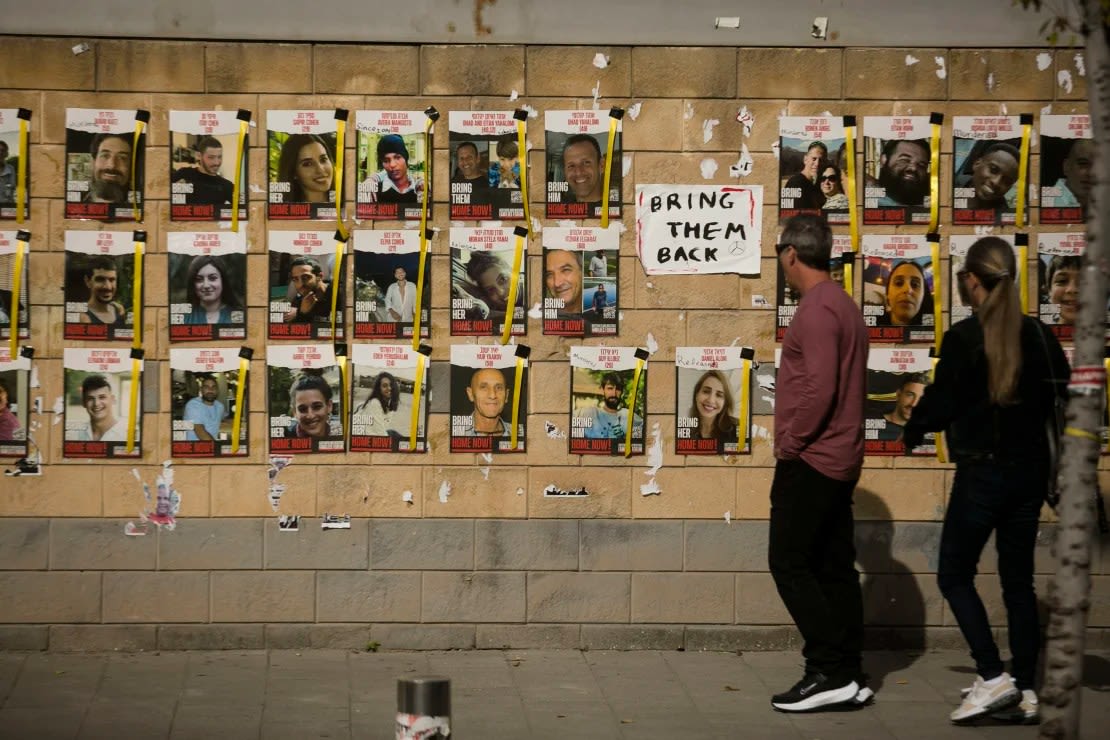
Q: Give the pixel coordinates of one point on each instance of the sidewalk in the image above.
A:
(495, 694)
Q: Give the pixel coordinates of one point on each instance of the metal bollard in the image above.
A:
(423, 708)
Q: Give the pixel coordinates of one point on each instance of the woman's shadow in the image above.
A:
(893, 605)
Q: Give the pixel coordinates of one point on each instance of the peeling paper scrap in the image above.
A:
(820, 28)
(1044, 61)
(633, 111)
(552, 490)
(911, 60)
(514, 95)
(519, 491)
(58, 409)
(990, 81)
(601, 61)
(775, 149)
(444, 491)
(553, 431)
(485, 472)
(745, 118)
(406, 496)
(532, 113)
(758, 301)
(1080, 64)
(708, 168)
(597, 94)
(942, 72)
(707, 127)
(651, 488)
(744, 165)
(688, 112)
(34, 381)
(626, 164)
(535, 311)
(728, 517)
(1063, 78)
(650, 344)
(731, 21)
(80, 48)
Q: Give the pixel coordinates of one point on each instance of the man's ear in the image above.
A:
(470, 394)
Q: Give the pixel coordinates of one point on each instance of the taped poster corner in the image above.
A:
(289, 523)
(335, 521)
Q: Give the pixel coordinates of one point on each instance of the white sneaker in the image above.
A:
(1026, 712)
(986, 697)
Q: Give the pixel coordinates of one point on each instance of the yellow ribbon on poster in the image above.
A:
(237, 185)
(137, 291)
(21, 166)
(417, 315)
(521, 117)
(514, 283)
(848, 259)
(338, 277)
(1023, 169)
(522, 353)
(942, 446)
(17, 283)
(418, 381)
(641, 356)
(935, 120)
(133, 402)
(934, 255)
(850, 186)
(1023, 275)
(141, 118)
(240, 390)
(745, 402)
(431, 115)
(344, 381)
(615, 115)
(340, 143)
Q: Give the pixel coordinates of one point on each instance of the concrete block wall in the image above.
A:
(498, 564)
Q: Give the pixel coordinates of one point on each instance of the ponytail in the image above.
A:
(991, 260)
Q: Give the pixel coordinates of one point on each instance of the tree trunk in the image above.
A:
(1070, 589)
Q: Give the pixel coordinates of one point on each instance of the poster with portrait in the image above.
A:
(986, 157)
(1067, 168)
(605, 400)
(10, 301)
(896, 380)
(1059, 260)
(958, 244)
(580, 281)
(12, 152)
(484, 398)
(203, 388)
(15, 403)
(812, 148)
(486, 166)
(387, 266)
(100, 285)
(577, 143)
(898, 288)
(105, 164)
(301, 161)
(207, 285)
(103, 399)
(481, 280)
(786, 298)
(393, 159)
(384, 390)
(204, 147)
(304, 394)
(897, 172)
(708, 415)
(306, 283)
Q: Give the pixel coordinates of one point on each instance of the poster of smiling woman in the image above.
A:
(301, 161)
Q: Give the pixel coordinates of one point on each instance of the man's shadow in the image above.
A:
(893, 605)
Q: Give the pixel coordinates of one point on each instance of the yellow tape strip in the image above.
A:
(236, 188)
(1023, 277)
(1082, 434)
(608, 173)
(240, 389)
(416, 315)
(745, 393)
(522, 158)
(853, 206)
(133, 405)
(340, 143)
(942, 446)
(632, 408)
(137, 297)
(934, 181)
(849, 280)
(517, 382)
(1023, 174)
(337, 282)
(934, 255)
(21, 172)
(17, 282)
(341, 360)
(416, 383)
(135, 154)
(428, 123)
(1106, 366)
(514, 285)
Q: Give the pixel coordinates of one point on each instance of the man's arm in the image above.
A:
(817, 395)
(393, 302)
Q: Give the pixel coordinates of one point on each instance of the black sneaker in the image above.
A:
(815, 691)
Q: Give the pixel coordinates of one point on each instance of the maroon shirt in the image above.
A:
(822, 384)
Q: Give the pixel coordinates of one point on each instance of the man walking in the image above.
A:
(821, 388)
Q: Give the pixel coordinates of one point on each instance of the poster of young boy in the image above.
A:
(204, 147)
(12, 152)
(603, 401)
(481, 279)
(1067, 168)
(304, 279)
(105, 164)
(1059, 259)
(15, 403)
(897, 154)
(484, 396)
(581, 268)
(387, 266)
(9, 246)
(576, 143)
(708, 389)
(896, 380)
(301, 162)
(99, 285)
(811, 148)
(384, 389)
(898, 288)
(393, 157)
(486, 168)
(786, 299)
(987, 157)
(958, 244)
(305, 399)
(98, 409)
(203, 387)
(207, 284)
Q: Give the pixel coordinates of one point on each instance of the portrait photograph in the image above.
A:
(203, 388)
(958, 244)
(15, 404)
(13, 150)
(204, 147)
(897, 170)
(387, 266)
(1067, 168)
(786, 298)
(812, 168)
(898, 302)
(986, 162)
(896, 380)
(483, 381)
(104, 165)
(301, 164)
(602, 398)
(304, 282)
(21, 313)
(384, 390)
(98, 411)
(577, 146)
(481, 280)
(581, 268)
(393, 159)
(708, 413)
(100, 285)
(304, 394)
(207, 285)
(486, 166)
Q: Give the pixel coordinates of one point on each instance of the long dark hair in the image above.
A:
(395, 387)
(723, 423)
(287, 162)
(227, 294)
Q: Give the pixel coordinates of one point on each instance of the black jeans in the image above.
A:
(1004, 498)
(813, 561)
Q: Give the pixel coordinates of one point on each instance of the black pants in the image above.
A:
(1005, 499)
(813, 561)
